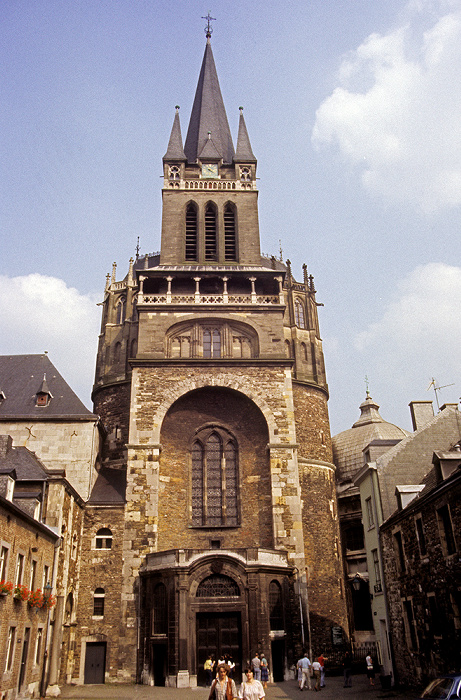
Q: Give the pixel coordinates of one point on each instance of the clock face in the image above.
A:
(209, 170)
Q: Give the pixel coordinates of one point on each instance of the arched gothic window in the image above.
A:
(211, 229)
(230, 251)
(299, 314)
(214, 479)
(275, 606)
(191, 232)
(159, 610)
(121, 306)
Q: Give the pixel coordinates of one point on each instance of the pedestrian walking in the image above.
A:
(321, 661)
(264, 670)
(251, 689)
(347, 668)
(256, 666)
(305, 665)
(370, 669)
(223, 687)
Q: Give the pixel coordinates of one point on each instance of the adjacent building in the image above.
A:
(421, 546)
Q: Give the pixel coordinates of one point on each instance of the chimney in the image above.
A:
(421, 413)
(6, 443)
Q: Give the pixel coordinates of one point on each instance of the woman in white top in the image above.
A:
(251, 689)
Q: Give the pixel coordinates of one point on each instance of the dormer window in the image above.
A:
(43, 395)
(2, 397)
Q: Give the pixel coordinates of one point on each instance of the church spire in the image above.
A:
(208, 121)
(175, 149)
(244, 152)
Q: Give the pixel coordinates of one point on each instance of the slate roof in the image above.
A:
(244, 151)
(22, 376)
(175, 149)
(109, 488)
(208, 116)
(348, 445)
(26, 465)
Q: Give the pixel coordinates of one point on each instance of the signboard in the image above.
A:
(337, 635)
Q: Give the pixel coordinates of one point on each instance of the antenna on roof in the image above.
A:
(209, 28)
(436, 389)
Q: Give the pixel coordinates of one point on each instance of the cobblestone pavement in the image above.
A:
(276, 691)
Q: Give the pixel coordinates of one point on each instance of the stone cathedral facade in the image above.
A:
(212, 525)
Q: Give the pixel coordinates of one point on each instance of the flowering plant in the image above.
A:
(36, 599)
(6, 587)
(21, 592)
(49, 601)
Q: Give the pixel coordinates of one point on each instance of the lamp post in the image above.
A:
(47, 588)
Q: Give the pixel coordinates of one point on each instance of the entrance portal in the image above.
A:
(95, 662)
(218, 634)
(278, 660)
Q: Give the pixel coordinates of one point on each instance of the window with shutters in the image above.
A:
(191, 252)
(211, 248)
(230, 248)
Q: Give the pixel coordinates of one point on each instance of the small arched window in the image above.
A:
(299, 314)
(98, 602)
(191, 251)
(288, 352)
(159, 610)
(275, 606)
(103, 538)
(121, 307)
(211, 229)
(230, 248)
(304, 351)
(133, 347)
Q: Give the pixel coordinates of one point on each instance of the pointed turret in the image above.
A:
(208, 118)
(175, 150)
(244, 152)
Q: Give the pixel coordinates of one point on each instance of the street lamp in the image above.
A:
(356, 582)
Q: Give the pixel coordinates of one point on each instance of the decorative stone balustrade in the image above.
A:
(239, 299)
(209, 185)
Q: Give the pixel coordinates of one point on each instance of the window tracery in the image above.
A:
(218, 586)
(212, 340)
(299, 314)
(214, 490)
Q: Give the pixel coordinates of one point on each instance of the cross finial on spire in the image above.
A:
(209, 28)
(367, 386)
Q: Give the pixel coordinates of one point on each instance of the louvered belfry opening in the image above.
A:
(210, 233)
(230, 252)
(191, 232)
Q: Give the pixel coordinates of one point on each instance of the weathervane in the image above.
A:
(436, 389)
(367, 383)
(209, 28)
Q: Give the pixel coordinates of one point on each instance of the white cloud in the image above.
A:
(419, 335)
(39, 313)
(395, 112)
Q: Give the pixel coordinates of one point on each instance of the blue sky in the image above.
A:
(352, 108)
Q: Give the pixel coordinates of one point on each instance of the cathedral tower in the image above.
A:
(211, 385)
